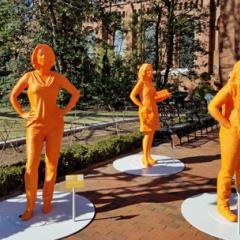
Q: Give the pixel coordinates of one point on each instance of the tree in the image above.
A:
(14, 43)
(173, 31)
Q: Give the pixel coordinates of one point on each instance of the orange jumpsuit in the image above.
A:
(44, 123)
(225, 108)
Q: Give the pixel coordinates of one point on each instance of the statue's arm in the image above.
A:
(217, 103)
(162, 95)
(17, 89)
(135, 92)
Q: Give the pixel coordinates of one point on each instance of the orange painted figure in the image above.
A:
(148, 110)
(225, 108)
(44, 123)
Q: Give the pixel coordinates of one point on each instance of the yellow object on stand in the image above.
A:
(73, 182)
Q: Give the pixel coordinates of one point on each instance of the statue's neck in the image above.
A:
(43, 72)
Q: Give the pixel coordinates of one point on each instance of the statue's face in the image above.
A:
(149, 73)
(42, 57)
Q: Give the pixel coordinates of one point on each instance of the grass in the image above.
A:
(12, 126)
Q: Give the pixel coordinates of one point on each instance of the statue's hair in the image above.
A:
(51, 55)
(142, 70)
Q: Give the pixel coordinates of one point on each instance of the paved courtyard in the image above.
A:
(134, 207)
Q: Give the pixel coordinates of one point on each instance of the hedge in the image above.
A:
(73, 158)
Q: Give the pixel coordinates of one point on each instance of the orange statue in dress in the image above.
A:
(148, 110)
(225, 108)
(44, 123)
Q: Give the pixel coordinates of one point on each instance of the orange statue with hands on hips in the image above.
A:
(148, 110)
(225, 108)
(44, 123)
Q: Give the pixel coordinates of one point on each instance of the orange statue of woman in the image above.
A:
(44, 123)
(225, 108)
(148, 110)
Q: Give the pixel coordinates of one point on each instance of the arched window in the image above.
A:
(180, 6)
(91, 45)
(149, 45)
(186, 45)
(119, 42)
(191, 5)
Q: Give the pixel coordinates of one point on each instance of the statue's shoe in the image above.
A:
(228, 214)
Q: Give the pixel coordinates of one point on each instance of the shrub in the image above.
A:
(73, 158)
(11, 178)
(205, 76)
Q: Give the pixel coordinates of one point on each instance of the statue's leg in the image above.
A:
(149, 158)
(237, 173)
(229, 162)
(34, 144)
(145, 143)
(53, 146)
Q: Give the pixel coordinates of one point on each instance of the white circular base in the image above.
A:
(201, 212)
(55, 225)
(132, 164)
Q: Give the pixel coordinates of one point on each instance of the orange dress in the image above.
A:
(149, 119)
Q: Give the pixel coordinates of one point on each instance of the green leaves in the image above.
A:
(72, 159)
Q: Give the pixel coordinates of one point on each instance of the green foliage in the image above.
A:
(14, 43)
(73, 158)
(203, 89)
(89, 60)
(205, 76)
(11, 177)
(168, 36)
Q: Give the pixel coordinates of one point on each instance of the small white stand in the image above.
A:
(238, 209)
(72, 182)
(73, 205)
(238, 228)
(132, 164)
(201, 212)
(56, 225)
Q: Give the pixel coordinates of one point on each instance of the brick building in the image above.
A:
(227, 36)
(124, 42)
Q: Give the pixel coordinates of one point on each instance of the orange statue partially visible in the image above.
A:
(225, 108)
(44, 123)
(148, 110)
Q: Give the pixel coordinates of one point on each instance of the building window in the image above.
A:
(149, 49)
(91, 45)
(118, 42)
(185, 5)
(186, 46)
(180, 6)
(191, 5)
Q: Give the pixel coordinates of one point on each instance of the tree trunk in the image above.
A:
(170, 40)
(59, 65)
(157, 36)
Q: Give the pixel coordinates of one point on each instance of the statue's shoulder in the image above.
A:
(57, 74)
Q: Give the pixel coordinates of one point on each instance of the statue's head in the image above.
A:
(145, 72)
(43, 57)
